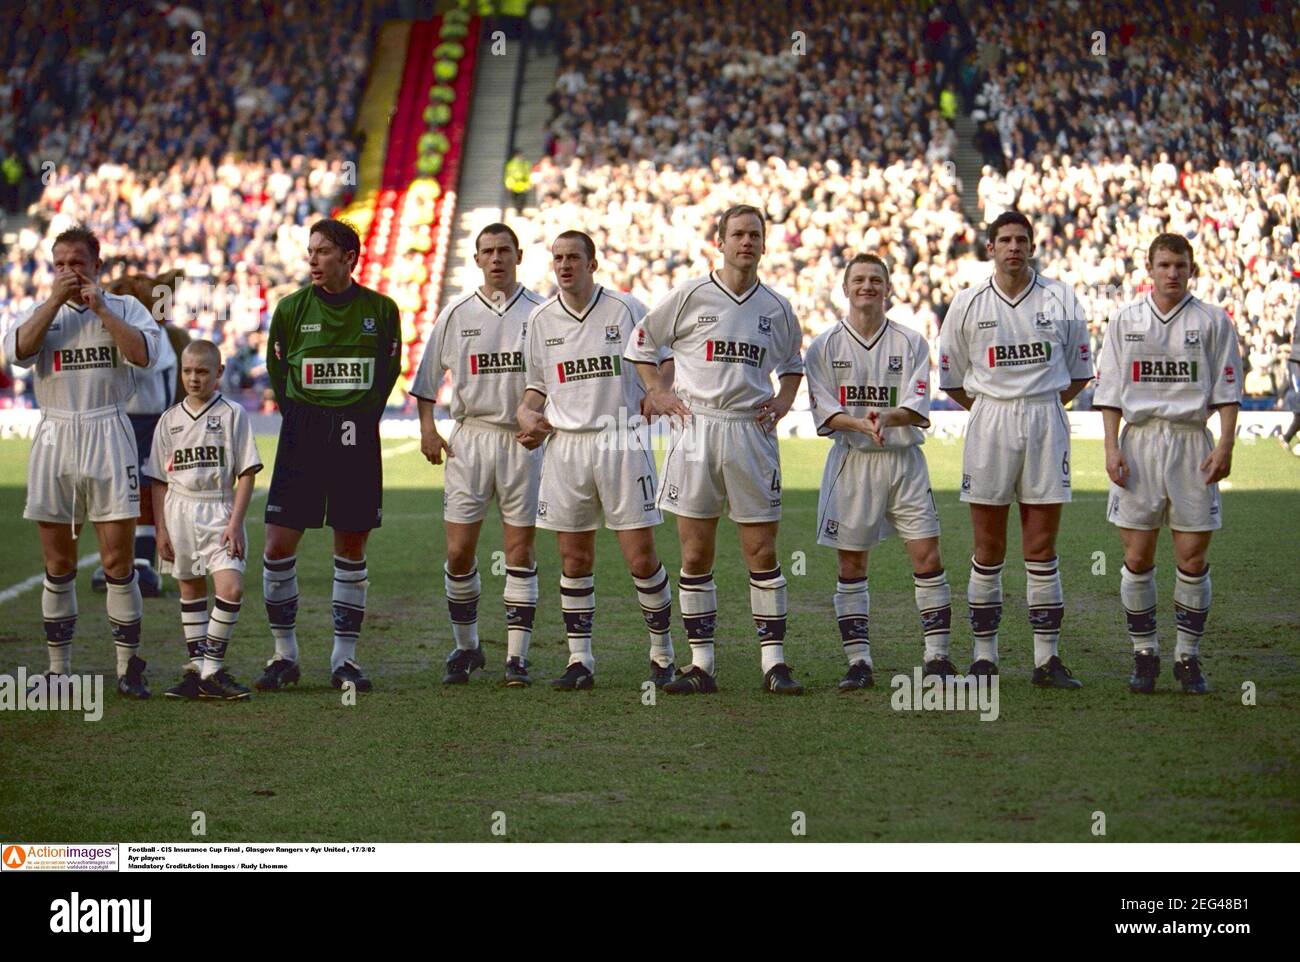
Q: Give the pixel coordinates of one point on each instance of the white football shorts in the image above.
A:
(489, 463)
(722, 462)
(868, 495)
(1017, 450)
(587, 474)
(83, 466)
(1164, 485)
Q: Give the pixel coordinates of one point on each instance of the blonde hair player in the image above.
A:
(202, 465)
(85, 345)
(1168, 362)
(869, 382)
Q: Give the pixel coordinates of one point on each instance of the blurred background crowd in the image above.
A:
(841, 122)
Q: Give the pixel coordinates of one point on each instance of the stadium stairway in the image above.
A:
(969, 167)
(483, 197)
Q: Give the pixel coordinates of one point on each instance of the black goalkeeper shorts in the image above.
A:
(327, 469)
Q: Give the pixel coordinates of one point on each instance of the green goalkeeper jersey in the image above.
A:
(335, 350)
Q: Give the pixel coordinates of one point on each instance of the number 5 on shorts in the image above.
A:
(132, 482)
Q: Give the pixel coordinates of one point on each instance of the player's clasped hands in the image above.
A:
(533, 428)
(873, 428)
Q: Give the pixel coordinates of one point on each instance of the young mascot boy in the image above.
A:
(202, 466)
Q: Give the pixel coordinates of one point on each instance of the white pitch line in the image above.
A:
(13, 591)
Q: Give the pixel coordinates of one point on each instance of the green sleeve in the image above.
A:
(394, 346)
(277, 349)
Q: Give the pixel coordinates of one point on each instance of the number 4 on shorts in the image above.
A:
(776, 481)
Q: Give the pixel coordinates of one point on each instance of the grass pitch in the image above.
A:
(415, 761)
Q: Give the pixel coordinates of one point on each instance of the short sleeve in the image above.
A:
(139, 318)
(159, 452)
(428, 376)
(244, 444)
(1226, 384)
(953, 352)
(916, 394)
(1079, 347)
(11, 343)
(535, 379)
(1110, 368)
(790, 347)
(821, 388)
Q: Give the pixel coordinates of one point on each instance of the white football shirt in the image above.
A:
(154, 389)
(725, 347)
(576, 360)
(850, 375)
(79, 367)
(482, 344)
(1176, 366)
(202, 454)
(1002, 348)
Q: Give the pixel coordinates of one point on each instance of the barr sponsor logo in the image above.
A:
(735, 352)
(201, 456)
(497, 362)
(309, 328)
(338, 373)
(1165, 372)
(1016, 355)
(582, 368)
(84, 358)
(868, 395)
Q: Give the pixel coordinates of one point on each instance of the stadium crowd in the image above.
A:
(837, 122)
(217, 168)
(645, 166)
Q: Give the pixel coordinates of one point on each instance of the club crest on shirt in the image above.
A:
(214, 422)
(368, 326)
(764, 324)
(613, 333)
(1192, 338)
(1042, 320)
(895, 363)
